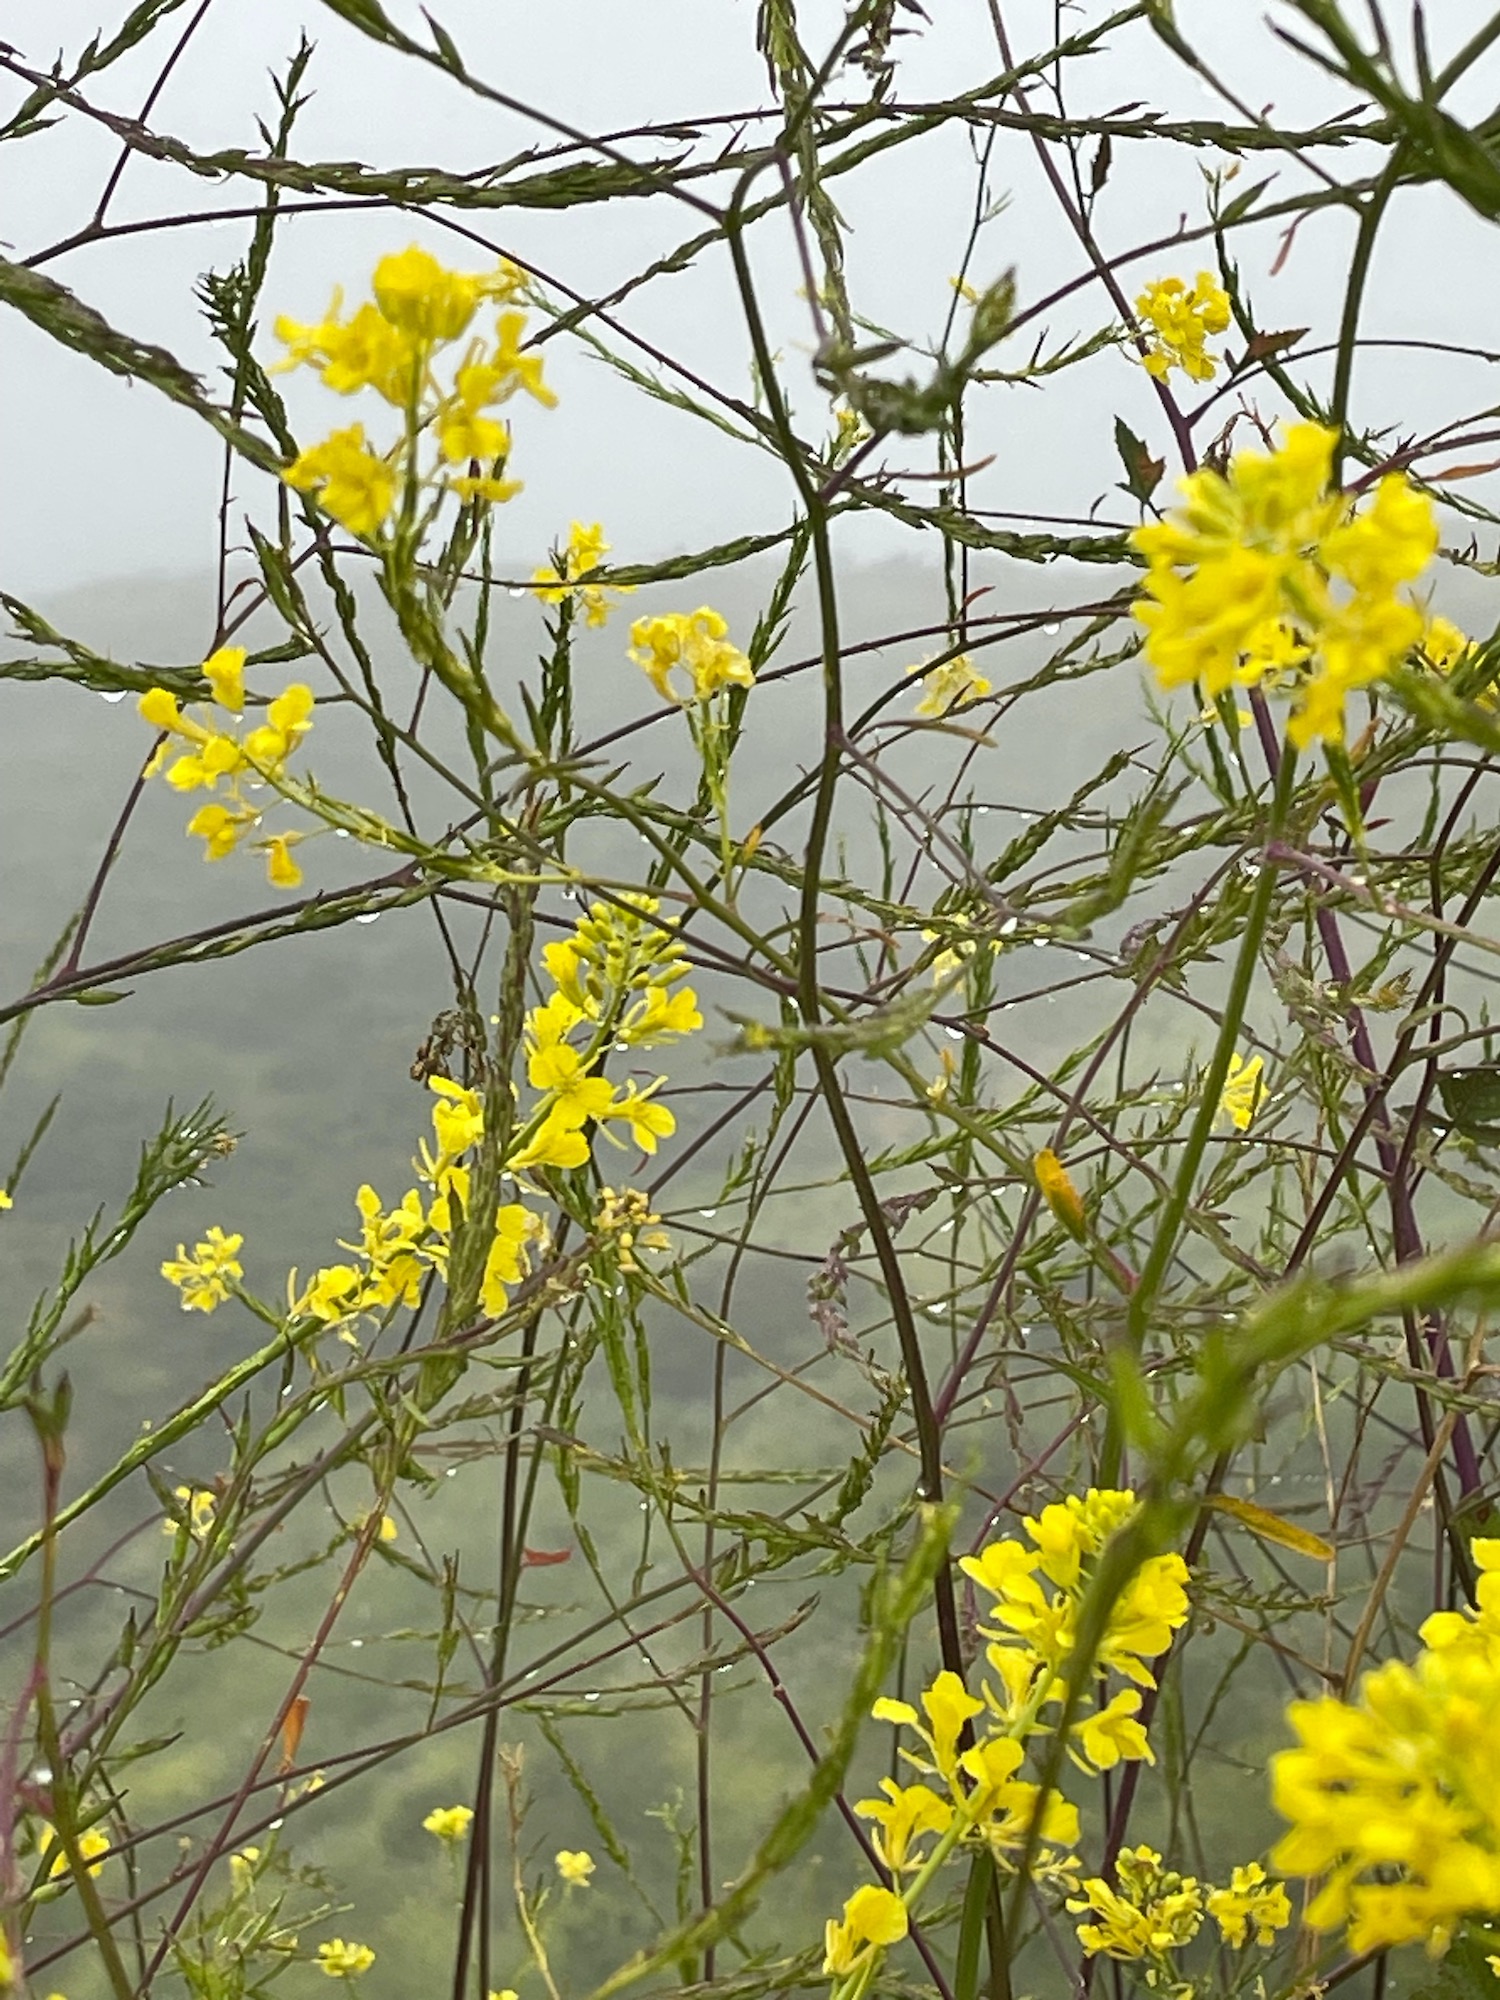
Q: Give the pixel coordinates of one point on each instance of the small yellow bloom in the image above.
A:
(417, 296)
(93, 1845)
(953, 685)
(1178, 321)
(448, 1823)
(1242, 1092)
(872, 1917)
(204, 1279)
(344, 1961)
(1059, 1193)
(222, 828)
(281, 869)
(585, 552)
(225, 673)
(351, 482)
(695, 643)
(575, 1867)
(5, 1200)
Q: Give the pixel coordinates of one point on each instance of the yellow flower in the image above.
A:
(334, 1294)
(1250, 1902)
(514, 369)
(695, 643)
(204, 1279)
(1392, 1798)
(1153, 1911)
(577, 1095)
(1112, 1735)
(458, 1119)
(1242, 1092)
(344, 1961)
(225, 673)
(659, 1016)
(575, 1867)
(420, 298)
(222, 828)
(585, 552)
(953, 685)
(1059, 1192)
(903, 1816)
(93, 1845)
(5, 1200)
(353, 485)
(288, 719)
(648, 1120)
(1240, 580)
(555, 1144)
(872, 1917)
(448, 1823)
(1179, 321)
(281, 869)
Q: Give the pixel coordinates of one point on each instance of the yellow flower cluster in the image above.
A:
(344, 1961)
(398, 1246)
(390, 346)
(1264, 573)
(585, 552)
(205, 1279)
(1394, 1798)
(951, 686)
(1151, 1911)
(202, 754)
(612, 978)
(449, 1824)
(973, 1746)
(694, 643)
(1177, 322)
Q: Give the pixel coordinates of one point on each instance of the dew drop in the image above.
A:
(43, 1774)
(708, 1214)
(355, 1644)
(277, 1825)
(593, 1695)
(954, 1034)
(451, 1473)
(115, 696)
(369, 917)
(1052, 629)
(517, 590)
(341, 833)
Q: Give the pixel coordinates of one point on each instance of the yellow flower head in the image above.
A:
(575, 1867)
(872, 1918)
(352, 483)
(448, 1823)
(1178, 321)
(344, 1961)
(694, 643)
(225, 673)
(953, 685)
(205, 1279)
(1059, 1192)
(585, 553)
(1264, 566)
(417, 296)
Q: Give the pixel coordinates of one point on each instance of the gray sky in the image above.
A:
(104, 479)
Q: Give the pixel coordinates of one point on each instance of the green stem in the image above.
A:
(1164, 1244)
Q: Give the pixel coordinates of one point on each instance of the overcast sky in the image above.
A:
(102, 479)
